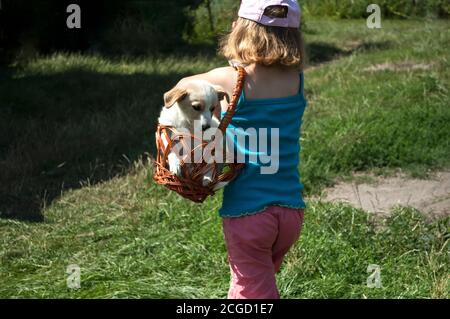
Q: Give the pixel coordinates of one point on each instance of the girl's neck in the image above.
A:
(260, 69)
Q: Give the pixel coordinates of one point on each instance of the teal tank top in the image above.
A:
(251, 191)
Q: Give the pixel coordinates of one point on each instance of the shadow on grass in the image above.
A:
(321, 52)
(62, 131)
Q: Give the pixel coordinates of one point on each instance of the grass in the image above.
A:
(87, 118)
(80, 167)
(392, 8)
(134, 241)
(361, 120)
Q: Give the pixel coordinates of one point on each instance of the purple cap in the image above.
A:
(254, 10)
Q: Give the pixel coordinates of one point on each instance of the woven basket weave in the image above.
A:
(190, 183)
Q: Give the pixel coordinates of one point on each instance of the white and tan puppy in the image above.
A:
(192, 101)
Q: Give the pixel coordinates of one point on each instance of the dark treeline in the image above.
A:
(109, 26)
(143, 27)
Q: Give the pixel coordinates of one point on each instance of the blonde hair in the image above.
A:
(250, 42)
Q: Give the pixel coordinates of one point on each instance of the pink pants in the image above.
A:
(256, 247)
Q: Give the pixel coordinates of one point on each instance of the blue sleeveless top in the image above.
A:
(252, 191)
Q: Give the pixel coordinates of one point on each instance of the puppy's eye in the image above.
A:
(197, 106)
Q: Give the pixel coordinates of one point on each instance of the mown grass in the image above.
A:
(134, 241)
(86, 119)
(89, 122)
(377, 120)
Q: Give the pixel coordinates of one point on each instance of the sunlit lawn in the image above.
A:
(75, 133)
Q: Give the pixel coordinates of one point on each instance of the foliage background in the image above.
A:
(137, 27)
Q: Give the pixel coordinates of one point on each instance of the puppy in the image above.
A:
(195, 100)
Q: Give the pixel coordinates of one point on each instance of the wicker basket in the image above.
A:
(190, 182)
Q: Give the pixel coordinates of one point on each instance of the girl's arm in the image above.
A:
(224, 77)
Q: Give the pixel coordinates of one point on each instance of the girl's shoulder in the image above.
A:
(226, 77)
(223, 76)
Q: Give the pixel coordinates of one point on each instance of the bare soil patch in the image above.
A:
(430, 196)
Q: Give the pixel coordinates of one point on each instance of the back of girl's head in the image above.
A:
(252, 42)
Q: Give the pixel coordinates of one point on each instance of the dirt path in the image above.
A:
(431, 196)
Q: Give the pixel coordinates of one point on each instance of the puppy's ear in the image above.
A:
(174, 95)
(221, 94)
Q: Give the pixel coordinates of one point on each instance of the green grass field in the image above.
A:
(76, 132)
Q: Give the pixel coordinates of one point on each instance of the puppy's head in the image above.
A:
(196, 100)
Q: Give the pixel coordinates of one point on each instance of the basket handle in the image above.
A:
(226, 120)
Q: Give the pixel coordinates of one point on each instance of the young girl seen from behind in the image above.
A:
(262, 210)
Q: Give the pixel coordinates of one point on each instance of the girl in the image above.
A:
(263, 213)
